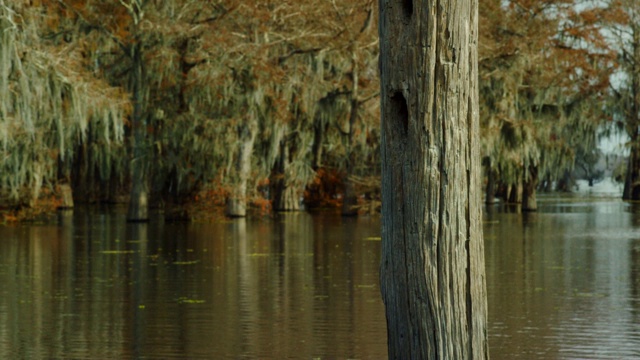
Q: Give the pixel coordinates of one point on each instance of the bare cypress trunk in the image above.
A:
(490, 194)
(505, 191)
(432, 270)
(285, 194)
(350, 199)
(237, 201)
(64, 183)
(515, 194)
(632, 180)
(529, 202)
(66, 195)
(138, 202)
(319, 128)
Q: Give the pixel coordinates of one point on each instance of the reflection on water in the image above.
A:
(96, 287)
(563, 283)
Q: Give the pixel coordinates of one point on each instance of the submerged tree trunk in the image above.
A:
(432, 270)
(237, 201)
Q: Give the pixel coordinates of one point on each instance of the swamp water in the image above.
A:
(563, 283)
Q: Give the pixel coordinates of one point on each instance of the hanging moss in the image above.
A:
(47, 103)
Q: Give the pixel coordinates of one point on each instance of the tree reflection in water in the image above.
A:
(562, 283)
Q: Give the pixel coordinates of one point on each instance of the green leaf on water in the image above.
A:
(117, 252)
(366, 286)
(186, 262)
(185, 300)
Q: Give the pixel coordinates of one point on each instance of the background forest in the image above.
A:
(275, 104)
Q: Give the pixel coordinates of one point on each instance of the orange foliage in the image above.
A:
(46, 204)
(262, 205)
(326, 190)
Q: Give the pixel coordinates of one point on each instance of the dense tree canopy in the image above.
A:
(544, 70)
(276, 102)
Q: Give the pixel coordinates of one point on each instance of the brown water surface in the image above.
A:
(563, 283)
(93, 286)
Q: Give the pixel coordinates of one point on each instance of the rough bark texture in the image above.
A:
(432, 270)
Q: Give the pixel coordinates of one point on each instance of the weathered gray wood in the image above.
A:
(237, 201)
(285, 194)
(432, 271)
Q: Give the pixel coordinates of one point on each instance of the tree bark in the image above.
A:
(515, 195)
(138, 202)
(529, 202)
(66, 195)
(490, 194)
(64, 183)
(237, 201)
(350, 198)
(632, 180)
(285, 194)
(432, 266)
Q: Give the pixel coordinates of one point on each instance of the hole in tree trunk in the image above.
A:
(400, 112)
(407, 8)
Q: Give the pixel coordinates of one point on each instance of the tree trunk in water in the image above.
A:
(66, 195)
(515, 195)
(529, 202)
(237, 201)
(490, 194)
(64, 181)
(285, 194)
(505, 193)
(632, 179)
(432, 270)
(138, 202)
(350, 198)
